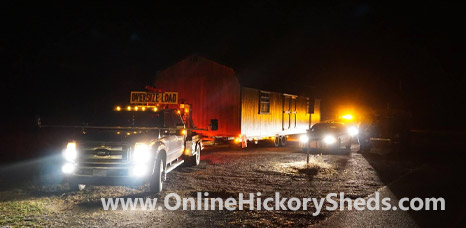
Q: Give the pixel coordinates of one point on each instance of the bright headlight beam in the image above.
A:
(140, 170)
(329, 139)
(353, 130)
(67, 168)
(304, 138)
(141, 153)
(70, 154)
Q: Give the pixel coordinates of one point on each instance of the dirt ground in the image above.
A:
(224, 172)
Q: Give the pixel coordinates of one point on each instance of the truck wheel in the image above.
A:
(155, 184)
(276, 141)
(283, 140)
(196, 159)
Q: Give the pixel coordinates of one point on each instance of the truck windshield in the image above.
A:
(129, 119)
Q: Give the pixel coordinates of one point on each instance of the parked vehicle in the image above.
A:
(386, 130)
(327, 136)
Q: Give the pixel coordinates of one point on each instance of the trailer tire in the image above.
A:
(283, 140)
(276, 141)
(156, 180)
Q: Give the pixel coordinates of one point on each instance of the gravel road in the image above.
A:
(224, 172)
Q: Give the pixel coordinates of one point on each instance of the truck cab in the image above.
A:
(130, 146)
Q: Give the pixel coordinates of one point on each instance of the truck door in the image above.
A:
(170, 138)
(180, 137)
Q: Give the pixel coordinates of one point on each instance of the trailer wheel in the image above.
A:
(283, 140)
(155, 184)
(276, 141)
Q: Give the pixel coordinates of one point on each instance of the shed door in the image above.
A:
(289, 113)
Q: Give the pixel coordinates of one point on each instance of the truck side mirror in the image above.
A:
(213, 124)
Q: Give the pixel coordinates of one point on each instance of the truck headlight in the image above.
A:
(70, 153)
(353, 130)
(329, 139)
(304, 138)
(141, 153)
(68, 168)
(140, 170)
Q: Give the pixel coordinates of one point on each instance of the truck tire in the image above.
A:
(283, 140)
(196, 159)
(156, 181)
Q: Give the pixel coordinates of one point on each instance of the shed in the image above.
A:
(214, 92)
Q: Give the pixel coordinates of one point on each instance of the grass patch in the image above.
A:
(21, 213)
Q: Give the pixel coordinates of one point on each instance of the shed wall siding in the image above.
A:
(211, 88)
(258, 125)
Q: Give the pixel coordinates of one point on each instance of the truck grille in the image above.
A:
(100, 152)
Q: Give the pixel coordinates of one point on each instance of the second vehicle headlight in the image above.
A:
(329, 139)
(304, 138)
(141, 153)
(352, 131)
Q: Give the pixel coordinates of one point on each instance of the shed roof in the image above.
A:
(250, 79)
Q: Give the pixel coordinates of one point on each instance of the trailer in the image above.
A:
(242, 113)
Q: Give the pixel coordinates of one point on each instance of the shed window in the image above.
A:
(264, 103)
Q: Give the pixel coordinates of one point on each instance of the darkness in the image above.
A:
(65, 61)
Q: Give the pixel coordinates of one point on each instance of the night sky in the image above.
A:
(68, 60)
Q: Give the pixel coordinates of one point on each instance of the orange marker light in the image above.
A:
(183, 132)
(118, 108)
(347, 117)
(128, 108)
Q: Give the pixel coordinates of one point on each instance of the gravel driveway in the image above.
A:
(224, 172)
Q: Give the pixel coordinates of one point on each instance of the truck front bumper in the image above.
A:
(107, 176)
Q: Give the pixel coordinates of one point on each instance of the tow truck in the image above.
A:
(135, 144)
